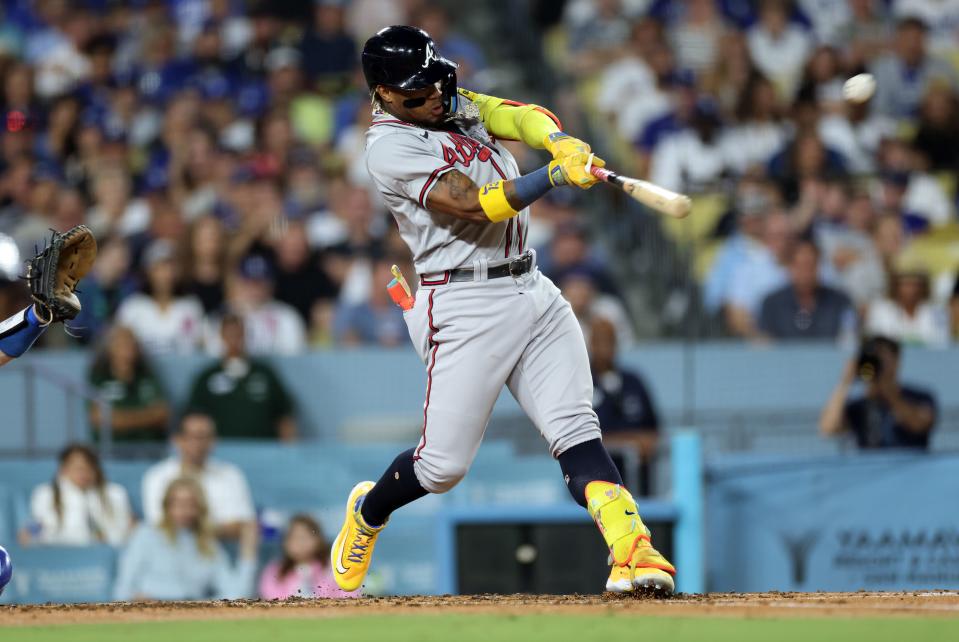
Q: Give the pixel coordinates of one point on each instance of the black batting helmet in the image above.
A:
(405, 57)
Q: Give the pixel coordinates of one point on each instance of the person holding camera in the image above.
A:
(889, 414)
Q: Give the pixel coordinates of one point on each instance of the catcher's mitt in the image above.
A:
(53, 273)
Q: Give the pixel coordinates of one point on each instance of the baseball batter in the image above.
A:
(484, 315)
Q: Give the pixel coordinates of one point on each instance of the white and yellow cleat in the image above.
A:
(636, 565)
(352, 550)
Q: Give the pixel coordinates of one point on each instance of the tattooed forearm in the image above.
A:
(456, 194)
(459, 185)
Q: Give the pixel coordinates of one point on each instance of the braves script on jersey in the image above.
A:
(406, 162)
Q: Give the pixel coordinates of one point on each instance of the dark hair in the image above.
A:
(873, 343)
(193, 412)
(801, 242)
(912, 22)
(322, 546)
(99, 479)
(101, 360)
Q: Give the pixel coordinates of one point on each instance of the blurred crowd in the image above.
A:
(835, 218)
(216, 149)
(199, 537)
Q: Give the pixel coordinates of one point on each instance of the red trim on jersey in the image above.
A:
(429, 181)
(509, 228)
(443, 281)
(392, 122)
(429, 373)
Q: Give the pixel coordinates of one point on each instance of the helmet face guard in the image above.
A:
(405, 58)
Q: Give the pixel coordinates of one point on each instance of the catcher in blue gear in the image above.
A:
(52, 276)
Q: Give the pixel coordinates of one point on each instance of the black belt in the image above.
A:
(515, 268)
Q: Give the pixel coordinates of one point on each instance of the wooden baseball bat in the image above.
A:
(650, 195)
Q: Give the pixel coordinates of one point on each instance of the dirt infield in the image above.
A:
(751, 605)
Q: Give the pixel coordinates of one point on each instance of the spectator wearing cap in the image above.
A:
(908, 314)
(244, 397)
(163, 320)
(376, 321)
(329, 52)
(905, 74)
(624, 407)
(779, 47)
(569, 251)
(272, 327)
(806, 309)
(681, 86)
(589, 303)
(224, 484)
(693, 158)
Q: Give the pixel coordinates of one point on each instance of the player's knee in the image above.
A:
(440, 477)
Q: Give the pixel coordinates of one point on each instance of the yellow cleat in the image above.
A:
(636, 564)
(352, 551)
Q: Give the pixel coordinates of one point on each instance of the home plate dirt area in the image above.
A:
(931, 604)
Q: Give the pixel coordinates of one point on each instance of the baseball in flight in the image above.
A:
(859, 88)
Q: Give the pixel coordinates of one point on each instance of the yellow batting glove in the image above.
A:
(571, 170)
(561, 145)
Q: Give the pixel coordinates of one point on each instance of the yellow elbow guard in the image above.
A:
(492, 198)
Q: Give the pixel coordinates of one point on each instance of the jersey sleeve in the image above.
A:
(406, 164)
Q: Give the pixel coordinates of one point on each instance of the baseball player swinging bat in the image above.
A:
(434, 151)
(650, 195)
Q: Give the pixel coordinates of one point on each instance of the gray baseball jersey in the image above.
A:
(406, 162)
(477, 336)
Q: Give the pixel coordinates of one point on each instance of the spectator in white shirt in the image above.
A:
(692, 158)
(225, 486)
(760, 132)
(162, 321)
(908, 315)
(79, 507)
(778, 47)
(272, 327)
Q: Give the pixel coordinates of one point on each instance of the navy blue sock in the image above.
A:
(584, 463)
(397, 487)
